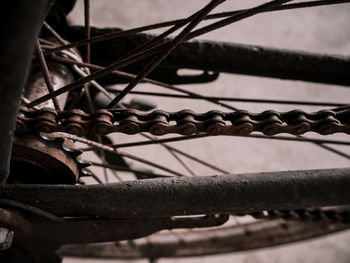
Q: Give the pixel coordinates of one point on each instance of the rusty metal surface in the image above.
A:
(50, 159)
(220, 57)
(186, 122)
(35, 87)
(164, 197)
(47, 235)
(89, 230)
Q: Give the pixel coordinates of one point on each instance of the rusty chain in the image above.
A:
(187, 122)
(184, 122)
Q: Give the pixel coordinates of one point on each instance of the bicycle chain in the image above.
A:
(185, 122)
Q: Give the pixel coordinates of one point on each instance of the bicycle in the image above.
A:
(44, 212)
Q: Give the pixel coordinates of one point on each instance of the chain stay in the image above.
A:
(184, 122)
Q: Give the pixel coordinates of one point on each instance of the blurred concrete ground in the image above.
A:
(323, 29)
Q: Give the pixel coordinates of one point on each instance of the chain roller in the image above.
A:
(185, 122)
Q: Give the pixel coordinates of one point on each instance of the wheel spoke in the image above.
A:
(46, 74)
(147, 80)
(237, 17)
(197, 18)
(298, 138)
(54, 33)
(123, 154)
(212, 98)
(134, 58)
(158, 141)
(124, 169)
(191, 157)
(118, 34)
(342, 154)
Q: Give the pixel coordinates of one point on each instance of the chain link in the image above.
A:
(184, 122)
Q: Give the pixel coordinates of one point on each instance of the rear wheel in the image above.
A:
(249, 233)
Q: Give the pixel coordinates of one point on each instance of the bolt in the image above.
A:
(6, 238)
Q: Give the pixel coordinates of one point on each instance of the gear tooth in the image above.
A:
(84, 173)
(81, 182)
(63, 144)
(58, 141)
(44, 136)
(75, 153)
(72, 152)
(82, 164)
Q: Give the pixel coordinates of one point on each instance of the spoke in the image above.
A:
(47, 42)
(24, 100)
(237, 17)
(144, 161)
(99, 74)
(112, 35)
(88, 98)
(147, 80)
(161, 38)
(54, 33)
(105, 175)
(46, 74)
(321, 145)
(87, 28)
(124, 169)
(173, 153)
(94, 176)
(170, 47)
(192, 157)
(342, 154)
(184, 35)
(284, 7)
(104, 160)
(88, 51)
(346, 107)
(50, 5)
(171, 149)
(155, 141)
(175, 156)
(94, 83)
(184, 165)
(115, 35)
(209, 98)
(123, 154)
(164, 49)
(86, 91)
(299, 139)
(199, 160)
(102, 155)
